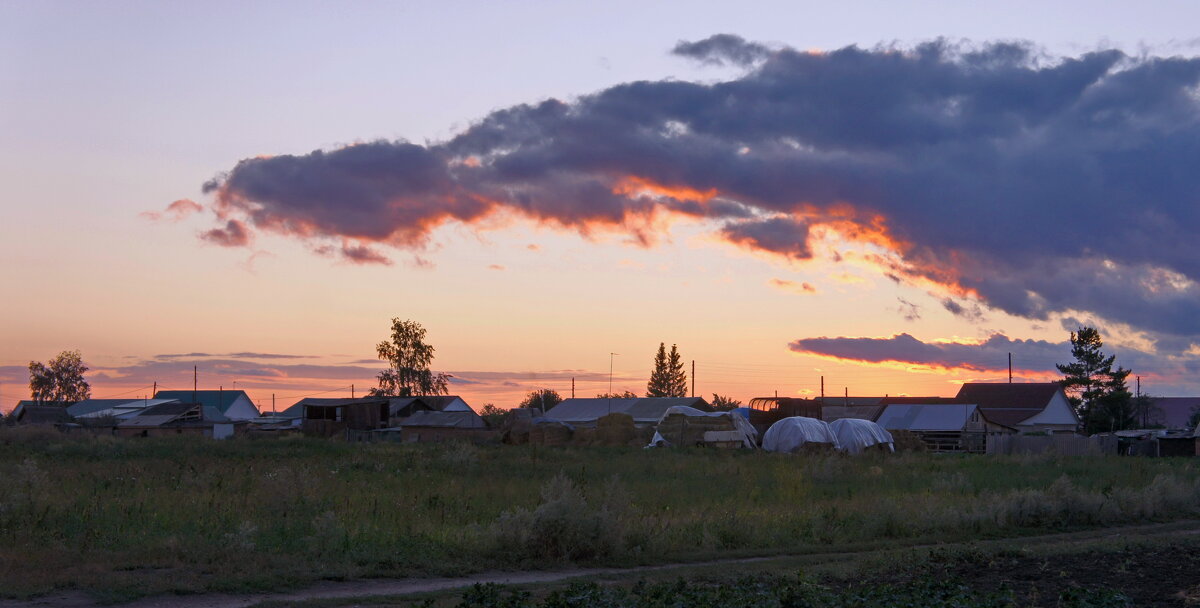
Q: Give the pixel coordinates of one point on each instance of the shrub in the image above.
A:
(564, 525)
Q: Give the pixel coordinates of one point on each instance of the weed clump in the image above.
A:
(564, 525)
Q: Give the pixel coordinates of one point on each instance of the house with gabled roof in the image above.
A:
(95, 409)
(32, 412)
(645, 411)
(1028, 406)
(235, 405)
(177, 418)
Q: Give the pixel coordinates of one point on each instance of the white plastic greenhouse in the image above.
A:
(855, 435)
(792, 434)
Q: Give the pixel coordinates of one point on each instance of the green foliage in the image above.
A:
(668, 378)
(564, 526)
(61, 380)
(722, 403)
(105, 513)
(493, 415)
(621, 395)
(541, 399)
(409, 357)
(775, 592)
(1099, 393)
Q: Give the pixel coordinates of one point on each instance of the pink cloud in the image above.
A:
(233, 234)
(174, 212)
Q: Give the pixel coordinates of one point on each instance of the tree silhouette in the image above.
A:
(668, 378)
(542, 399)
(409, 357)
(59, 381)
(1097, 391)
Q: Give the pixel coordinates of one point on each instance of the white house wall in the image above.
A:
(241, 409)
(1057, 412)
(458, 405)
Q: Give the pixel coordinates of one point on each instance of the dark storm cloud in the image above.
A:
(990, 355)
(777, 235)
(721, 49)
(241, 355)
(1038, 185)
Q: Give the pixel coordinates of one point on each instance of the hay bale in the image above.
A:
(583, 437)
(682, 430)
(908, 441)
(550, 434)
(615, 429)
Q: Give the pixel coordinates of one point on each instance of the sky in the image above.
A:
(891, 196)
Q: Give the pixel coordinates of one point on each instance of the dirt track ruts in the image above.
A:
(388, 587)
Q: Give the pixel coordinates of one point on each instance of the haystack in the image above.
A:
(550, 432)
(616, 429)
(684, 426)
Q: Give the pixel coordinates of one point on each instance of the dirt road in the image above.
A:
(391, 587)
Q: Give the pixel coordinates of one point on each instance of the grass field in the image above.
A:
(125, 518)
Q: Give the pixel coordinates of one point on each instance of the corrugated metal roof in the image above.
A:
(1009, 404)
(110, 407)
(42, 414)
(926, 417)
(830, 413)
(584, 410)
(462, 420)
(645, 410)
(651, 409)
(1173, 412)
(220, 399)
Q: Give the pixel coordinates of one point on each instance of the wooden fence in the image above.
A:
(1064, 445)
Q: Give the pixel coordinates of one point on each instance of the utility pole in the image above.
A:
(1138, 401)
(610, 368)
(693, 378)
(351, 391)
(572, 387)
(155, 388)
(822, 390)
(847, 402)
(193, 384)
(272, 404)
(1010, 368)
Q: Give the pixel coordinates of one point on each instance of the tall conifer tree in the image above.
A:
(668, 378)
(1097, 391)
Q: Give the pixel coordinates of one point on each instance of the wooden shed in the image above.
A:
(333, 417)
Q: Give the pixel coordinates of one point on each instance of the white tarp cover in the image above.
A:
(740, 423)
(790, 434)
(855, 435)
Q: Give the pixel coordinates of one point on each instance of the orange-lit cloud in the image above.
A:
(959, 188)
(174, 212)
(793, 286)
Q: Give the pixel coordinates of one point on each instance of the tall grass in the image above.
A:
(186, 514)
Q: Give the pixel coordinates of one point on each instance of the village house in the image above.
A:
(235, 405)
(1170, 412)
(174, 417)
(943, 427)
(645, 411)
(439, 426)
(333, 417)
(30, 412)
(117, 409)
(1040, 407)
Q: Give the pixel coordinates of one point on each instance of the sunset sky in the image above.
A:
(890, 195)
